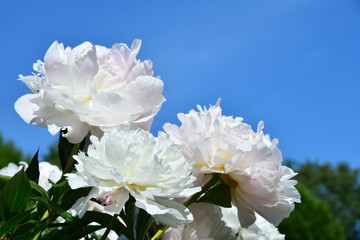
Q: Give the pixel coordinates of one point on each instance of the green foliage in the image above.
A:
(312, 219)
(19, 219)
(339, 186)
(10, 153)
(15, 195)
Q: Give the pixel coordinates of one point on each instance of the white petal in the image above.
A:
(26, 108)
(169, 213)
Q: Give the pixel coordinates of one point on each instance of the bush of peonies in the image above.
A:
(212, 177)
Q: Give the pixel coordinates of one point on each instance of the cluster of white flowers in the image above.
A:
(115, 96)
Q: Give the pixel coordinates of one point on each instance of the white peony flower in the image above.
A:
(249, 162)
(92, 88)
(12, 168)
(207, 225)
(133, 162)
(48, 172)
(259, 230)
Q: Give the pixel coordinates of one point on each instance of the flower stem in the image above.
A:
(108, 229)
(70, 160)
(204, 189)
(159, 233)
(194, 198)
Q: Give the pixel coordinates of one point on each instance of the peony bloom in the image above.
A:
(48, 172)
(259, 230)
(249, 162)
(207, 225)
(133, 162)
(92, 88)
(12, 168)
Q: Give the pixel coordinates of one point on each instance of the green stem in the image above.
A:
(204, 189)
(108, 229)
(194, 198)
(70, 160)
(159, 233)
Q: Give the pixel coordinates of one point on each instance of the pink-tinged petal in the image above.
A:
(147, 92)
(117, 206)
(245, 214)
(125, 55)
(82, 64)
(55, 62)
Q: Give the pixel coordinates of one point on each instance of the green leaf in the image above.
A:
(55, 207)
(32, 171)
(3, 181)
(13, 222)
(31, 233)
(219, 195)
(65, 196)
(103, 219)
(16, 193)
(128, 215)
(37, 190)
(86, 230)
(81, 227)
(144, 221)
(72, 195)
(67, 150)
(56, 234)
(57, 190)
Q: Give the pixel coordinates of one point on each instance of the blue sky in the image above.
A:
(293, 64)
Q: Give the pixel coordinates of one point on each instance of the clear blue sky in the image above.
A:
(293, 64)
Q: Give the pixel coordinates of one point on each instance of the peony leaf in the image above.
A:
(72, 195)
(37, 190)
(16, 193)
(103, 219)
(32, 171)
(67, 150)
(144, 221)
(32, 232)
(83, 227)
(12, 223)
(3, 181)
(219, 195)
(128, 215)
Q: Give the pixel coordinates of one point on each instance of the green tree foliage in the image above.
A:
(10, 153)
(311, 220)
(339, 186)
